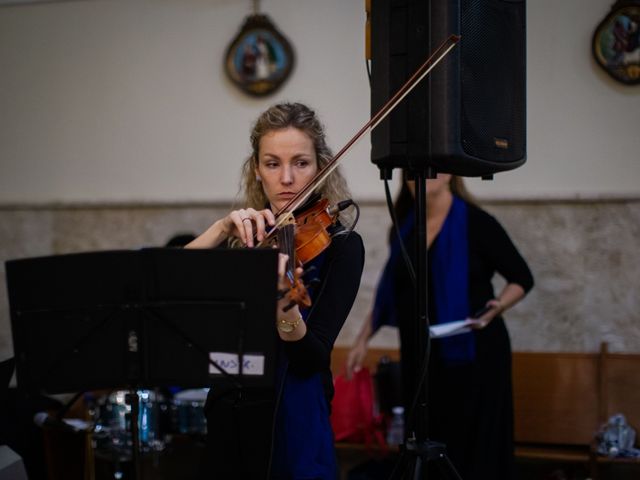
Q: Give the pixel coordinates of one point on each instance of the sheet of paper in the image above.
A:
(450, 328)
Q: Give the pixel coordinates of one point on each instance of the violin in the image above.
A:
(303, 237)
(307, 231)
(312, 228)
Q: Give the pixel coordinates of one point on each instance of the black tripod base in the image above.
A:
(415, 456)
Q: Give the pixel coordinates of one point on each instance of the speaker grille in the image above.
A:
(468, 117)
(492, 80)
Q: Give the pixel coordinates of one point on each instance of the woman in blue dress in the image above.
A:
(470, 405)
(286, 434)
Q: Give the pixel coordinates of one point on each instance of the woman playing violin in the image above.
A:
(288, 149)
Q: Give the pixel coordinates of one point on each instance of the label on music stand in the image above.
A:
(253, 364)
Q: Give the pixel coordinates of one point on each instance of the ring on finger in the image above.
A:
(245, 219)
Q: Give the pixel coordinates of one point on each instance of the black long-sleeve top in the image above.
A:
(339, 274)
(492, 251)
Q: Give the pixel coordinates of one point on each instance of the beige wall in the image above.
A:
(126, 100)
(583, 255)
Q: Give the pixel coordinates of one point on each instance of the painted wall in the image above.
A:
(126, 100)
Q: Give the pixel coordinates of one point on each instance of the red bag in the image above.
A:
(352, 416)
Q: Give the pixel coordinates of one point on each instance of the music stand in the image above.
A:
(146, 318)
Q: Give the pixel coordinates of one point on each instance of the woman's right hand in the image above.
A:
(356, 357)
(358, 352)
(244, 223)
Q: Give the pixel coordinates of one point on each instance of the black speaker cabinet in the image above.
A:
(468, 117)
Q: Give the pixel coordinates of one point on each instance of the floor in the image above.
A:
(359, 465)
(181, 457)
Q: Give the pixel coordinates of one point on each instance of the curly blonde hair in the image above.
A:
(301, 117)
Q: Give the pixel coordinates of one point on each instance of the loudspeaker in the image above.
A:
(468, 117)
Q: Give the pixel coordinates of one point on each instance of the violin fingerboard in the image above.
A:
(286, 244)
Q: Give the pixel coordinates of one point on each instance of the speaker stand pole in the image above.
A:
(418, 449)
(134, 400)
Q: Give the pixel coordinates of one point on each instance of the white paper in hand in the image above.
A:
(448, 329)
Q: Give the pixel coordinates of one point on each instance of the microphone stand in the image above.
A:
(133, 399)
(418, 449)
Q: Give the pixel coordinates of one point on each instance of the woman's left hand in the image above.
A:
(241, 224)
(495, 308)
(245, 223)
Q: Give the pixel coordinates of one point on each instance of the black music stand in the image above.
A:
(146, 318)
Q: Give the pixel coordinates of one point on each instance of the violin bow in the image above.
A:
(299, 198)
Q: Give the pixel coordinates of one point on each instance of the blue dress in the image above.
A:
(286, 434)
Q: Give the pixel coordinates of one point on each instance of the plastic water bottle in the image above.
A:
(395, 432)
